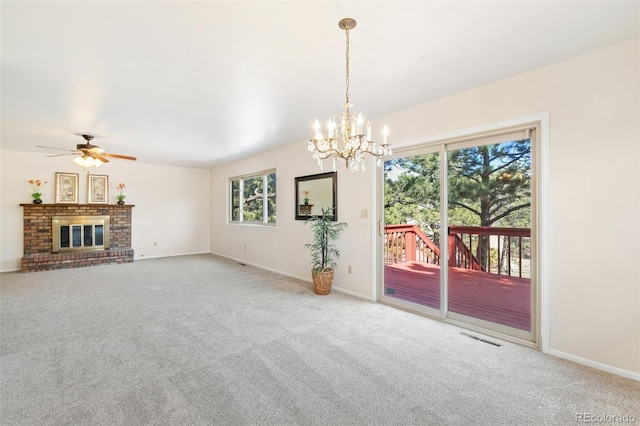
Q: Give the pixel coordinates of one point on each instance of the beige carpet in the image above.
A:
(201, 340)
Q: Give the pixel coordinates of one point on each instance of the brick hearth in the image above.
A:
(38, 236)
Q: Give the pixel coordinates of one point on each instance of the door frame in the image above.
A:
(540, 165)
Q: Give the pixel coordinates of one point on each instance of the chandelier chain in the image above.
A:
(347, 62)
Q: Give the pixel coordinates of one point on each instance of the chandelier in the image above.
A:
(346, 138)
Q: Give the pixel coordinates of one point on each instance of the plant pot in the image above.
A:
(120, 202)
(305, 209)
(322, 281)
(37, 201)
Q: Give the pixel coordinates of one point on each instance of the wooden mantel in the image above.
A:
(38, 236)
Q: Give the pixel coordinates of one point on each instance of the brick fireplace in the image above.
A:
(38, 236)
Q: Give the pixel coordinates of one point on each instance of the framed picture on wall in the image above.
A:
(66, 188)
(98, 189)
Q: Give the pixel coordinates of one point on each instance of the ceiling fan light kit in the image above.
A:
(87, 161)
(346, 139)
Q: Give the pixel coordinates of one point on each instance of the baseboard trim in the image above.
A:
(170, 255)
(263, 267)
(597, 365)
(351, 293)
(305, 279)
(135, 258)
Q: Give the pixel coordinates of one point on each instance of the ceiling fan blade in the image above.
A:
(122, 157)
(64, 155)
(59, 149)
(99, 157)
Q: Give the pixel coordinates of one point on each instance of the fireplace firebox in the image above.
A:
(77, 233)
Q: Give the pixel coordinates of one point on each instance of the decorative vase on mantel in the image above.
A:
(121, 196)
(36, 192)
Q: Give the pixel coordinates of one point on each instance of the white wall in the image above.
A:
(281, 248)
(171, 203)
(594, 279)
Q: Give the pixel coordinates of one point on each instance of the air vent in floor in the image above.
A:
(480, 339)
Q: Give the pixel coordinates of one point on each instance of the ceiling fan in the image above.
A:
(89, 155)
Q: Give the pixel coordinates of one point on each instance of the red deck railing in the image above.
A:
(497, 250)
(407, 243)
(506, 250)
(460, 255)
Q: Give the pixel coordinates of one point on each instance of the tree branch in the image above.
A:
(464, 206)
(509, 211)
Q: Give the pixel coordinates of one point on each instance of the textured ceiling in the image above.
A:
(203, 83)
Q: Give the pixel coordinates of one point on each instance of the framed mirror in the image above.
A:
(315, 192)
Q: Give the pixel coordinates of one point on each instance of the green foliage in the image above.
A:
(271, 198)
(253, 198)
(412, 193)
(235, 200)
(253, 205)
(487, 186)
(324, 255)
(492, 182)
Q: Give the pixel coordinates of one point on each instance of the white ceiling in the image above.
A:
(204, 83)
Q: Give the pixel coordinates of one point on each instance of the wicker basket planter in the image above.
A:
(324, 254)
(322, 281)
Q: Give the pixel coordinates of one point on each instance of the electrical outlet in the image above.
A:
(155, 243)
(245, 247)
(349, 268)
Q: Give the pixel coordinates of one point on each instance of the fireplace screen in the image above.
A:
(71, 233)
(81, 236)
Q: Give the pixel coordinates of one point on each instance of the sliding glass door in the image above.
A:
(458, 225)
(489, 233)
(412, 231)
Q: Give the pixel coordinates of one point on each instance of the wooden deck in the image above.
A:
(497, 298)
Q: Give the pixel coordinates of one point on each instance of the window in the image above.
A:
(247, 200)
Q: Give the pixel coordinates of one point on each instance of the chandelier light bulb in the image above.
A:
(359, 124)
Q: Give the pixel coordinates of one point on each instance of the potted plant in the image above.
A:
(305, 208)
(324, 255)
(36, 192)
(120, 196)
